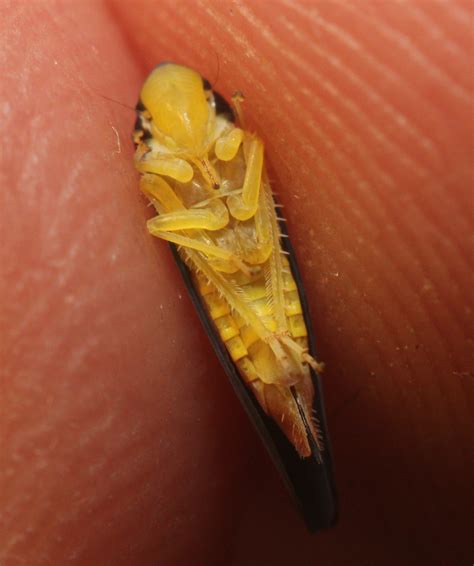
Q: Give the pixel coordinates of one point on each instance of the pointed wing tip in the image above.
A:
(316, 496)
(317, 519)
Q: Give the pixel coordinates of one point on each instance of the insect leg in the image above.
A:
(302, 353)
(245, 205)
(160, 193)
(173, 215)
(275, 264)
(231, 261)
(192, 219)
(209, 250)
(208, 171)
(227, 146)
(173, 167)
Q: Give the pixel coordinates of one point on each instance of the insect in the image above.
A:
(205, 175)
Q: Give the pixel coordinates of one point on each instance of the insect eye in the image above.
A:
(223, 107)
(206, 85)
(138, 124)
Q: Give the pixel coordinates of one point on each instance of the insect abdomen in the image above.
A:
(245, 347)
(226, 324)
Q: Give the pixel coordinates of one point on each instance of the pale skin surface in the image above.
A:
(117, 448)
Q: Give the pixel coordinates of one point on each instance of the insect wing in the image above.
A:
(318, 497)
(309, 480)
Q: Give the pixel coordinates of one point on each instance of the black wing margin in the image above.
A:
(309, 481)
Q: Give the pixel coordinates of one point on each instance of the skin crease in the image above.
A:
(120, 439)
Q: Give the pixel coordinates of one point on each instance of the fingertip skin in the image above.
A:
(366, 113)
(365, 110)
(106, 443)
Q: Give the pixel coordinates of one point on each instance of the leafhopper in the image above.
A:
(205, 175)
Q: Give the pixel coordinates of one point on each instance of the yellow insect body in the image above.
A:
(206, 178)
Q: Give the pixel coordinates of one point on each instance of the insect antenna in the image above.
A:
(115, 101)
(218, 67)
